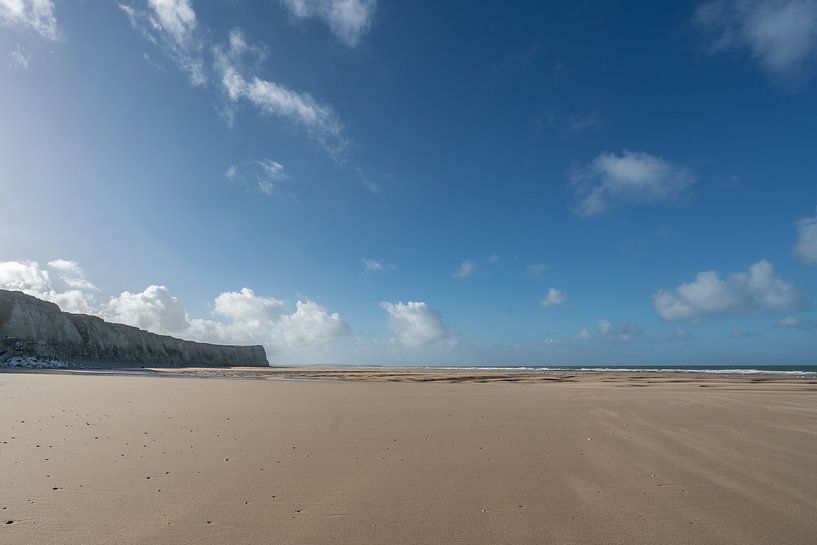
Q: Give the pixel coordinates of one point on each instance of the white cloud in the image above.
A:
(241, 317)
(20, 57)
(246, 306)
(25, 276)
(630, 177)
(758, 288)
(806, 247)
(71, 275)
(274, 99)
(263, 175)
(348, 20)
(466, 269)
(36, 15)
(66, 266)
(371, 265)
(553, 298)
(415, 323)
(71, 293)
(267, 320)
(309, 325)
(171, 25)
(154, 309)
(583, 335)
(781, 35)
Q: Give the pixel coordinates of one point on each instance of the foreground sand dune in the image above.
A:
(597, 459)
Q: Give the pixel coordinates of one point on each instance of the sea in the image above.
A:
(801, 370)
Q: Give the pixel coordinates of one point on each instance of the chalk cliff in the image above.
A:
(30, 326)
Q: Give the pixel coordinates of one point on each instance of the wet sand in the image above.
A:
(396, 456)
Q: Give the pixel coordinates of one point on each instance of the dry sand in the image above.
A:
(604, 458)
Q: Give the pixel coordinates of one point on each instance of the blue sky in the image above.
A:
(363, 181)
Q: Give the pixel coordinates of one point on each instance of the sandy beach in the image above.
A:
(375, 457)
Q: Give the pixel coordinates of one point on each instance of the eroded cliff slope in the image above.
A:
(30, 326)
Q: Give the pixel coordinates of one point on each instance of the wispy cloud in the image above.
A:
(273, 99)
(348, 20)
(33, 15)
(172, 26)
(781, 35)
(607, 331)
(579, 123)
(20, 57)
(263, 175)
(630, 177)
(708, 294)
(466, 269)
(371, 265)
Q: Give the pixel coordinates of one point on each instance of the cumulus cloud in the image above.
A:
(241, 317)
(348, 20)
(758, 288)
(34, 15)
(66, 266)
(25, 276)
(415, 323)
(631, 177)
(310, 324)
(806, 247)
(466, 269)
(263, 175)
(154, 309)
(66, 287)
(781, 35)
(274, 99)
(172, 26)
(553, 298)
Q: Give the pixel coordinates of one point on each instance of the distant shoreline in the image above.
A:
(588, 375)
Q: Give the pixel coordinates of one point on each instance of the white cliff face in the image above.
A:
(31, 327)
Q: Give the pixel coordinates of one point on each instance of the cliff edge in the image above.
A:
(32, 327)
